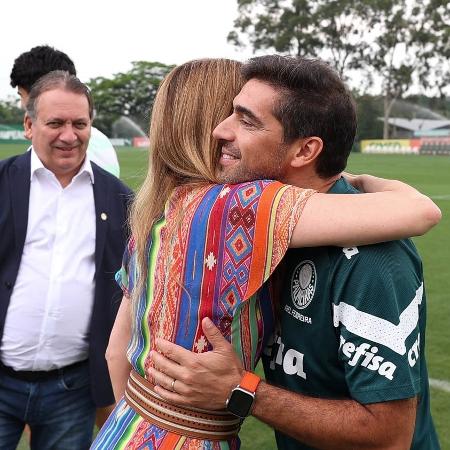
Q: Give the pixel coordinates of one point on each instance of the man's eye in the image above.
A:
(80, 125)
(54, 124)
(246, 123)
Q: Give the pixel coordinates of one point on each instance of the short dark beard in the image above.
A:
(243, 174)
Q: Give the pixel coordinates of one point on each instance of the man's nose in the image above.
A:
(68, 134)
(224, 131)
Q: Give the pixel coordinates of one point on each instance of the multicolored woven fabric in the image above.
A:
(208, 257)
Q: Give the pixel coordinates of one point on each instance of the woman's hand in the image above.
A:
(366, 183)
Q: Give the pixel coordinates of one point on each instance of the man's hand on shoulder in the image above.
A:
(202, 380)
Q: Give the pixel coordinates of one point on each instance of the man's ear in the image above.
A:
(306, 151)
(27, 126)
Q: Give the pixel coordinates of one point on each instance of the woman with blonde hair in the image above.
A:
(204, 249)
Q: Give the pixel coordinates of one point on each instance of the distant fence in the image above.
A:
(11, 133)
(422, 146)
(435, 146)
(390, 146)
(120, 142)
(141, 141)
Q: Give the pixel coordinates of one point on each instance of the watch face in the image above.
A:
(240, 402)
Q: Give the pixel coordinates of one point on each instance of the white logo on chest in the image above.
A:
(303, 284)
(291, 360)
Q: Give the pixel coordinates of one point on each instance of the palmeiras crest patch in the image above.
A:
(303, 284)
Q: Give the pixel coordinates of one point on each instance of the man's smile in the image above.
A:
(229, 155)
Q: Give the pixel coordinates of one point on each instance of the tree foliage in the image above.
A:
(406, 43)
(438, 65)
(341, 34)
(399, 43)
(10, 113)
(129, 94)
(369, 109)
(287, 27)
(303, 28)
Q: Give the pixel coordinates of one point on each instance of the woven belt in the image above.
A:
(193, 422)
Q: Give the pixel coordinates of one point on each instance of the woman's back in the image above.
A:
(208, 257)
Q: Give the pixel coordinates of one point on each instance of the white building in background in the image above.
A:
(409, 128)
(413, 136)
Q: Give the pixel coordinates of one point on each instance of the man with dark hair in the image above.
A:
(63, 220)
(32, 65)
(312, 100)
(345, 367)
(40, 60)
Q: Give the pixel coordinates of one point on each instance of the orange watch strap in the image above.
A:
(249, 382)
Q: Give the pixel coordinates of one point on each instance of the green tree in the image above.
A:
(129, 94)
(303, 28)
(395, 44)
(342, 37)
(10, 113)
(436, 68)
(404, 43)
(369, 109)
(287, 27)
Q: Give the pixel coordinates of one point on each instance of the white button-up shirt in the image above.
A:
(48, 316)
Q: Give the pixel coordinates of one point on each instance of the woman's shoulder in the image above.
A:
(190, 197)
(201, 189)
(258, 183)
(260, 188)
(253, 186)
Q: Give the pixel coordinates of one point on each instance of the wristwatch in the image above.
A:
(242, 397)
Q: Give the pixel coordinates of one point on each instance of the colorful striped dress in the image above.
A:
(209, 256)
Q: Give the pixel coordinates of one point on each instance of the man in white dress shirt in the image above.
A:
(58, 297)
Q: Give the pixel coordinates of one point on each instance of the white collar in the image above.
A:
(36, 165)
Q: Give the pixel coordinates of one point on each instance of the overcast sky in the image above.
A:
(103, 37)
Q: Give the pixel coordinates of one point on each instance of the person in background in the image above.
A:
(27, 69)
(63, 220)
(208, 229)
(33, 64)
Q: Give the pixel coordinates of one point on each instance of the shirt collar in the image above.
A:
(36, 165)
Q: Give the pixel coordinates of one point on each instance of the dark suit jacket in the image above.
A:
(111, 197)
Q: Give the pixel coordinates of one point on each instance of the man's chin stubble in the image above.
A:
(242, 176)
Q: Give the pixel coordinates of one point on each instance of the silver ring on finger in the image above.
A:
(172, 386)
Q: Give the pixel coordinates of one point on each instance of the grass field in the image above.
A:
(429, 174)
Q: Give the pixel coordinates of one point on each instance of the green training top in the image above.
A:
(352, 324)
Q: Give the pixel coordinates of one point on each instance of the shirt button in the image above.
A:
(8, 284)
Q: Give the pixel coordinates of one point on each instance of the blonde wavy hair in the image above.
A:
(191, 101)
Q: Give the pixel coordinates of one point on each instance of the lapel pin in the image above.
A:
(103, 216)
